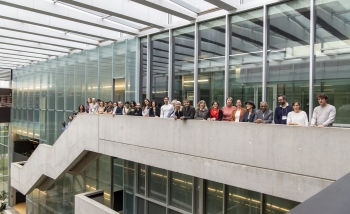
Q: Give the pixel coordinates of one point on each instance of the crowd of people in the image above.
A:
(323, 115)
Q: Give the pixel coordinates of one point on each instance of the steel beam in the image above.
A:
(18, 53)
(222, 4)
(67, 13)
(28, 50)
(15, 60)
(46, 32)
(43, 40)
(32, 45)
(7, 56)
(12, 63)
(43, 20)
(312, 57)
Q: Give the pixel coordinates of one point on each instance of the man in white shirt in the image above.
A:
(93, 106)
(324, 114)
(172, 112)
(166, 108)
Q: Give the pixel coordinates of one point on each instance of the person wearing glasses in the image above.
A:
(263, 115)
(281, 111)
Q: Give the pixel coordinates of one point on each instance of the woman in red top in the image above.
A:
(214, 113)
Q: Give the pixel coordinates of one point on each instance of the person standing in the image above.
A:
(126, 107)
(249, 115)
(281, 111)
(263, 115)
(172, 112)
(132, 108)
(154, 111)
(138, 110)
(228, 109)
(145, 108)
(166, 108)
(214, 113)
(93, 106)
(238, 113)
(88, 105)
(324, 114)
(188, 111)
(297, 117)
(201, 111)
(178, 113)
(118, 108)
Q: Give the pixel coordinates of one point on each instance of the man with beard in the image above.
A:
(282, 110)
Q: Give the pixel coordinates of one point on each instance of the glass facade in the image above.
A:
(4, 157)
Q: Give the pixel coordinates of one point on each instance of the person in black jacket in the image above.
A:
(214, 113)
(188, 111)
(249, 115)
(178, 114)
(138, 110)
(154, 111)
(118, 108)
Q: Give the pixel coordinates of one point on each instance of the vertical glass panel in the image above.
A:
(118, 174)
(129, 170)
(140, 206)
(61, 85)
(181, 191)
(37, 74)
(43, 86)
(51, 84)
(105, 72)
(79, 78)
(69, 84)
(141, 179)
(131, 82)
(211, 60)
(289, 51)
(214, 197)
(278, 205)
(143, 67)
(30, 87)
(104, 169)
(332, 50)
(183, 63)
(160, 65)
(242, 201)
(246, 55)
(155, 208)
(91, 73)
(119, 71)
(157, 183)
(128, 203)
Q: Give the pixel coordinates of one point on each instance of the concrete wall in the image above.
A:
(86, 205)
(288, 162)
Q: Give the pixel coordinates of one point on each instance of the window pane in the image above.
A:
(141, 179)
(214, 198)
(183, 63)
(181, 191)
(211, 60)
(246, 55)
(157, 183)
(143, 64)
(160, 65)
(278, 205)
(332, 49)
(140, 206)
(155, 208)
(242, 201)
(289, 51)
(173, 212)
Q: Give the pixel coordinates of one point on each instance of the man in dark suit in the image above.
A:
(263, 115)
(118, 108)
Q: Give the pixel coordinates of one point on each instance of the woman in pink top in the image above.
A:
(227, 109)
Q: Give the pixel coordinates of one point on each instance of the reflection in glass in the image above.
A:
(157, 183)
(141, 179)
(289, 51)
(246, 55)
(211, 58)
(242, 201)
(183, 63)
(181, 191)
(214, 197)
(332, 50)
(160, 65)
(278, 205)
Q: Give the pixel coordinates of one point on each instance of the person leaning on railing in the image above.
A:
(88, 105)
(228, 109)
(201, 111)
(126, 108)
(132, 108)
(101, 108)
(214, 113)
(324, 114)
(187, 110)
(249, 115)
(263, 115)
(238, 113)
(281, 111)
(297, 117)
(145, 107)
(154, 110)
(178, 111)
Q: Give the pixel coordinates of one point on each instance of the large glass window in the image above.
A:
(242, 201)
(160, 65)
(289, 52)
(183, 63)
(155, 208)
(157, 183)
(181, 191)
(211, 58)
(143, 67)
(246, 55)
(141, 179)
(278, 205)
(214, 197)
(332, 50)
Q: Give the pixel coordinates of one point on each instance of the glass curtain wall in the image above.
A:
(289, 52)
(4, 157)
(332, 51)
(211, 64)
(183, 63)
(143, 67)
(246, 55)
(159, 66)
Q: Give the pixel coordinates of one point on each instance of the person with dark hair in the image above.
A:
(249, 115)
(154, 111)
(238, 113)
(106, 106)
(109, 108)
(101, 108)
(297, 117)
(65, 126)
(88, 105)
(281, 112)
(178, 113)
(263, 115)
(81, 109)
(132, 108)
(324, 114)
(126, 108)
(201, 111)
(228, 109)
(117, 108)
(214, 113)
(138, 110)
(187, 111)
(145, 107)
(166, 108)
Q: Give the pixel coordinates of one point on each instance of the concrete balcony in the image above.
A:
(288, 162)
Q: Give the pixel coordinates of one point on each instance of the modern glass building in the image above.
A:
(195, 49)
